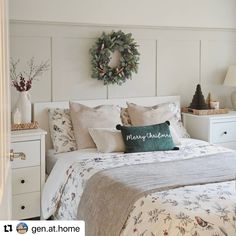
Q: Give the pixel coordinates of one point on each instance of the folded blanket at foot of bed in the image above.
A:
(110, 194)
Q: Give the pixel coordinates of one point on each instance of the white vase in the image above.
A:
(24, 106)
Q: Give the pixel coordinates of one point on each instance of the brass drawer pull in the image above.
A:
(20, 155)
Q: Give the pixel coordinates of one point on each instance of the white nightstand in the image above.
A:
(28, 176)
(217, 129)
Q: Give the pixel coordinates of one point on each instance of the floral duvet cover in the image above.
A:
(208, 209)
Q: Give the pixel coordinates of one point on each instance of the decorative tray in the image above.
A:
(32, 125)
(205, 112)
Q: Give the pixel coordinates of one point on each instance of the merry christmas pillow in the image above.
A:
(147, 138)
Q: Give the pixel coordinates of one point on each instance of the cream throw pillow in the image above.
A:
(107, 140)
(83, 118)
(141, 115)
(125, 118)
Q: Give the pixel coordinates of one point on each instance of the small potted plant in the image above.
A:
(23, 81)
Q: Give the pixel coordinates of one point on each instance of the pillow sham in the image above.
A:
(83, 118)
(147, 138)
(141, 115)
(61, 130)
(125, 118)
(107, 140)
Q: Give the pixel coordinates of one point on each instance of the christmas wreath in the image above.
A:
(101, 56)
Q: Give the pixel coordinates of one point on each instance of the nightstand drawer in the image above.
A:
(26, 206)
(31, 150)
(224, 132)
(25, 180)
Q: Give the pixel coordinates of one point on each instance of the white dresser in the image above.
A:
(28, 176)
(217, 129)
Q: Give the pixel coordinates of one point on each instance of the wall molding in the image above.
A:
(54, 23)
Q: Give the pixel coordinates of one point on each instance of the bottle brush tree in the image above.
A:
(198, 101)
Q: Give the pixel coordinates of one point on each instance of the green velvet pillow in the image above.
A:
(147, 138)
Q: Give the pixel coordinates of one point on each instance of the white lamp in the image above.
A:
(230, 80)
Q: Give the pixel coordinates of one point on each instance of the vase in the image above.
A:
(24, 105)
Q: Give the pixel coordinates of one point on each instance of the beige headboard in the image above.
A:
(41, 109)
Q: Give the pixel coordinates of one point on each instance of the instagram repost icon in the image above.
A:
(22, 228)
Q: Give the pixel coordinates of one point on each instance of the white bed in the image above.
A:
(190, 210)
(41, 109)
(41, 115)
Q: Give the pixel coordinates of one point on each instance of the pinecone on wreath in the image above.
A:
(198, 101)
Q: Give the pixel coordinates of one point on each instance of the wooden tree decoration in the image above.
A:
(198, 101)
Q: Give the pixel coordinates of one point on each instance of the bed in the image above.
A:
(194, 195)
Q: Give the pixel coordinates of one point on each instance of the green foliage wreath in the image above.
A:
(101, 56)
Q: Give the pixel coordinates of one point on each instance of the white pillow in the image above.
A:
(83, 117)
(175, 136)
(107, 140)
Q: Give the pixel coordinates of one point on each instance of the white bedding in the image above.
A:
(66, 182)
(53, 157)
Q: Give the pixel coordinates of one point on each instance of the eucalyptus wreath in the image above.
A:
(101, 56)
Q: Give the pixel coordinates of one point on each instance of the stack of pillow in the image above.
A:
(155, 128)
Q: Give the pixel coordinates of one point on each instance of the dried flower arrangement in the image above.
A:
(22, 81)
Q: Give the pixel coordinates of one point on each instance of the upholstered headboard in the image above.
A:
(41, 108)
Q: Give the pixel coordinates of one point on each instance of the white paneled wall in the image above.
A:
(219, 54)
(142, 84)
(178, 68)
(172, 61)
(71, 70)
